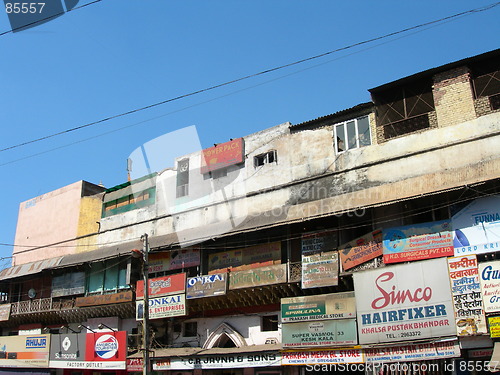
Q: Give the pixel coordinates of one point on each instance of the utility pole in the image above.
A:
(145, 317)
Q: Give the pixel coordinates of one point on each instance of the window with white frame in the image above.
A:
(352, 134)
(266, 158)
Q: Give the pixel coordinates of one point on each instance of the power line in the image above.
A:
(263, 72)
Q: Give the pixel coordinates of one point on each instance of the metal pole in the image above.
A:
(145, 317)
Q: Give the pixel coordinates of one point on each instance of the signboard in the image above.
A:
(206, 286)
(361, 250)
(135, 365)
(4, 312)
(318, 307)
(160, 286)
(418, 241)
(494, 324)
(24, 351)
(220, 361)
(258, 276)
(413, 352)
(222, 155)
(404, 302)
(477, 227)
(313, 357)
(315, 242)
(106, 350)
(163, 307)
(320, 269)
(259, 255)
(319, 333)
(489, 277)
(105, 299)
(68, 351)
(173, 260)
(467, 298)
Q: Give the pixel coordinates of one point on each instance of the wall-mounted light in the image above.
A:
(80, 326)
(68, 328)
(102, 325)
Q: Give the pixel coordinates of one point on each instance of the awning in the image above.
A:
(189, 352)
(29, 268)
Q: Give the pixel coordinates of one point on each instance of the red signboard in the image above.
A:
(222, 155)
(134, 365)
(161, 286)
(107, 350)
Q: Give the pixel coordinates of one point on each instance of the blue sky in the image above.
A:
(118, 55)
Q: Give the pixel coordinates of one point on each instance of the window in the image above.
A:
(352, 134)
(269, 323)
(129, 202)
(268, 157)
(182, 178)
(190, 329)
(215, 174)
(486, 81)
(108, 276)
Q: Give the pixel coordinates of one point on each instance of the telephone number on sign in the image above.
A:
(24, 8)
(410, 334)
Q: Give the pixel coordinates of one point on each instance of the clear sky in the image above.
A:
(117, 55)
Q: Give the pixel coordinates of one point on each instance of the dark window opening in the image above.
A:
(486, 78)
(182, 178)
(190, 329)
(267, 158)
(269, 323)
(215, 174)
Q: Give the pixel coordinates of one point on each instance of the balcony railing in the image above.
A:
(41, 305)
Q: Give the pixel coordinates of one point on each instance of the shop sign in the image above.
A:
(222, 155)
(135, 365)
(206, 286)
(418, 241)
(313, 357)
(24, 351)
(222, 361)
(319, 333)
(489, 277)
(413, 352)
(318, 307)
(173, 260)
(249, 257)
(477, 227)
(163, 307)
(404, 302)
(467, 299)
(161, 286)
(315, 242)
(258, 276)
(106, 350)
(320, 269)
(480, 353)
(494, 324)
(105, 299)
(68, 351)
(4, 312)
(361, 250)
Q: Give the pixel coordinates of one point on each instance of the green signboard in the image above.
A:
(319, 333)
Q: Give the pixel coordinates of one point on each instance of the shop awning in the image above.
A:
(29, 268)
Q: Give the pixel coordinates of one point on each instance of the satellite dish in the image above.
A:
(32, 293)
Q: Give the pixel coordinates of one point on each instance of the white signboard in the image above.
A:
(413, 352)
(312, 357)
(404, 302)
(163, 307)
(489, 277)
(477, 227)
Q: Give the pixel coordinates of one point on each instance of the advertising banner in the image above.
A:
(134, 365)
(222, 155)
(361, 250)
(106, 350)
(489, 277)
(206, 286)
(24, 351)
(68, 350)
(258, 276)
(404, 302)
(313, 357)
(318, 307)
(105, 299)
(319, 333)
(314, 242)
(5, 311)
(467, 298)
(320, 269)
(494, 324)
(477, 227)
(418, 241)
(248, 257)
(413, 352)
(163, 307)
(220, 361)
(161, 286)
(173, 260)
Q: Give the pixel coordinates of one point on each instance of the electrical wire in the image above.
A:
(263, 72)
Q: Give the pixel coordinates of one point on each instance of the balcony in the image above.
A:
(41, 305)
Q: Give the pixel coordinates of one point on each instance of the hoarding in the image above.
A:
(222, 155)
(489, 277)
(163, 307)
(68, 351)
(173, 260)
(206, 286)
(312, 357)
(258, 276)
(314, 242)
(418, 241)
(413, 352)
(494, 324)
(361, 250)
(24, 351)
(320, 269)
(248, 257)
(161, 286)
(318, 307)
(220, 361)
(5, 311)
(105, 299)
(404, 302)
(467, 298)
(477, 227)
(106, 350)
(319, 333)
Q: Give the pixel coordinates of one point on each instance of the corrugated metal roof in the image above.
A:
(29, 268)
